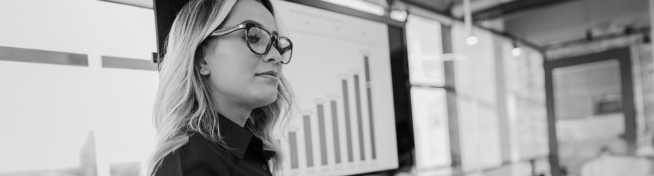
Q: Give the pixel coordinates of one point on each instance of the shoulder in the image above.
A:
(192, 157)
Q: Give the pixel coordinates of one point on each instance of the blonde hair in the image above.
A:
(184, 103)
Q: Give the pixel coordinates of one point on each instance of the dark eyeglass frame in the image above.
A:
(274, 38)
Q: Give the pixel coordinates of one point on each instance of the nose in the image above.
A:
(272, 56)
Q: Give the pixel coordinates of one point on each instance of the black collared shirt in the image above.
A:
(202, 157)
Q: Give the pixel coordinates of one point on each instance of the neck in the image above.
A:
(236, 114)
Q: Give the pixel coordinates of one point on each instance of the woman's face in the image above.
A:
(235, 72)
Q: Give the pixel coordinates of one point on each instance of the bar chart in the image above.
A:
(343, 120)
(350, 129)
(339, 129)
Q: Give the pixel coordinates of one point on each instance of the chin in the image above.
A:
(264, 100)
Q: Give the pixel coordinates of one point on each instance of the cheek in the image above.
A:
(231, 69)
(231, 72)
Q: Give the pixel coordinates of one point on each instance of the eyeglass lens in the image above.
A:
(259, 40)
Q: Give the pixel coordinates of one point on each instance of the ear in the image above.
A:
(204, 68)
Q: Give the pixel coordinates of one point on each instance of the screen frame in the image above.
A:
(400, 78)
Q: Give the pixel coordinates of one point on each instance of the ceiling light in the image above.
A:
(516, 51)
(472, 40)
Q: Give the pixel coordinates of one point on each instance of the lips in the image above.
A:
(270, 73)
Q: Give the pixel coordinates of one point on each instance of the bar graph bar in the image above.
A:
(307, 140)
(321, 131)
(348, 130)
(337, 142)
(294, 158)
(357, 95)
(370, 116)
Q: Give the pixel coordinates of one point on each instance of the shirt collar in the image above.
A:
(239, 139)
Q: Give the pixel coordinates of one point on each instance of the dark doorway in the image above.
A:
(590, 109)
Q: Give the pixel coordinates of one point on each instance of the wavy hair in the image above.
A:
(184, 103)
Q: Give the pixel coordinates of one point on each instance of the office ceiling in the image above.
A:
(482, 9)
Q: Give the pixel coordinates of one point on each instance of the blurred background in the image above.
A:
(480, 87)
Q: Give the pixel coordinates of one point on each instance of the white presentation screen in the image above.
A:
(344, 120)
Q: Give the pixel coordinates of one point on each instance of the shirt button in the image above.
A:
(265, 167)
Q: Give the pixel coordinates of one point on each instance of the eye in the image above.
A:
(253, 36)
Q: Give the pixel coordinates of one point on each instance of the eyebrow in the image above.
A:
(257, 23)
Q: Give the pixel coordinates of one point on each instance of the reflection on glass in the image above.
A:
(74, 120)
(431, 130)
(425, 55)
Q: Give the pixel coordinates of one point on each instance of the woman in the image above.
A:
(221, 91)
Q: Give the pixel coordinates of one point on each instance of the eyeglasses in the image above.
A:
(260, 40)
